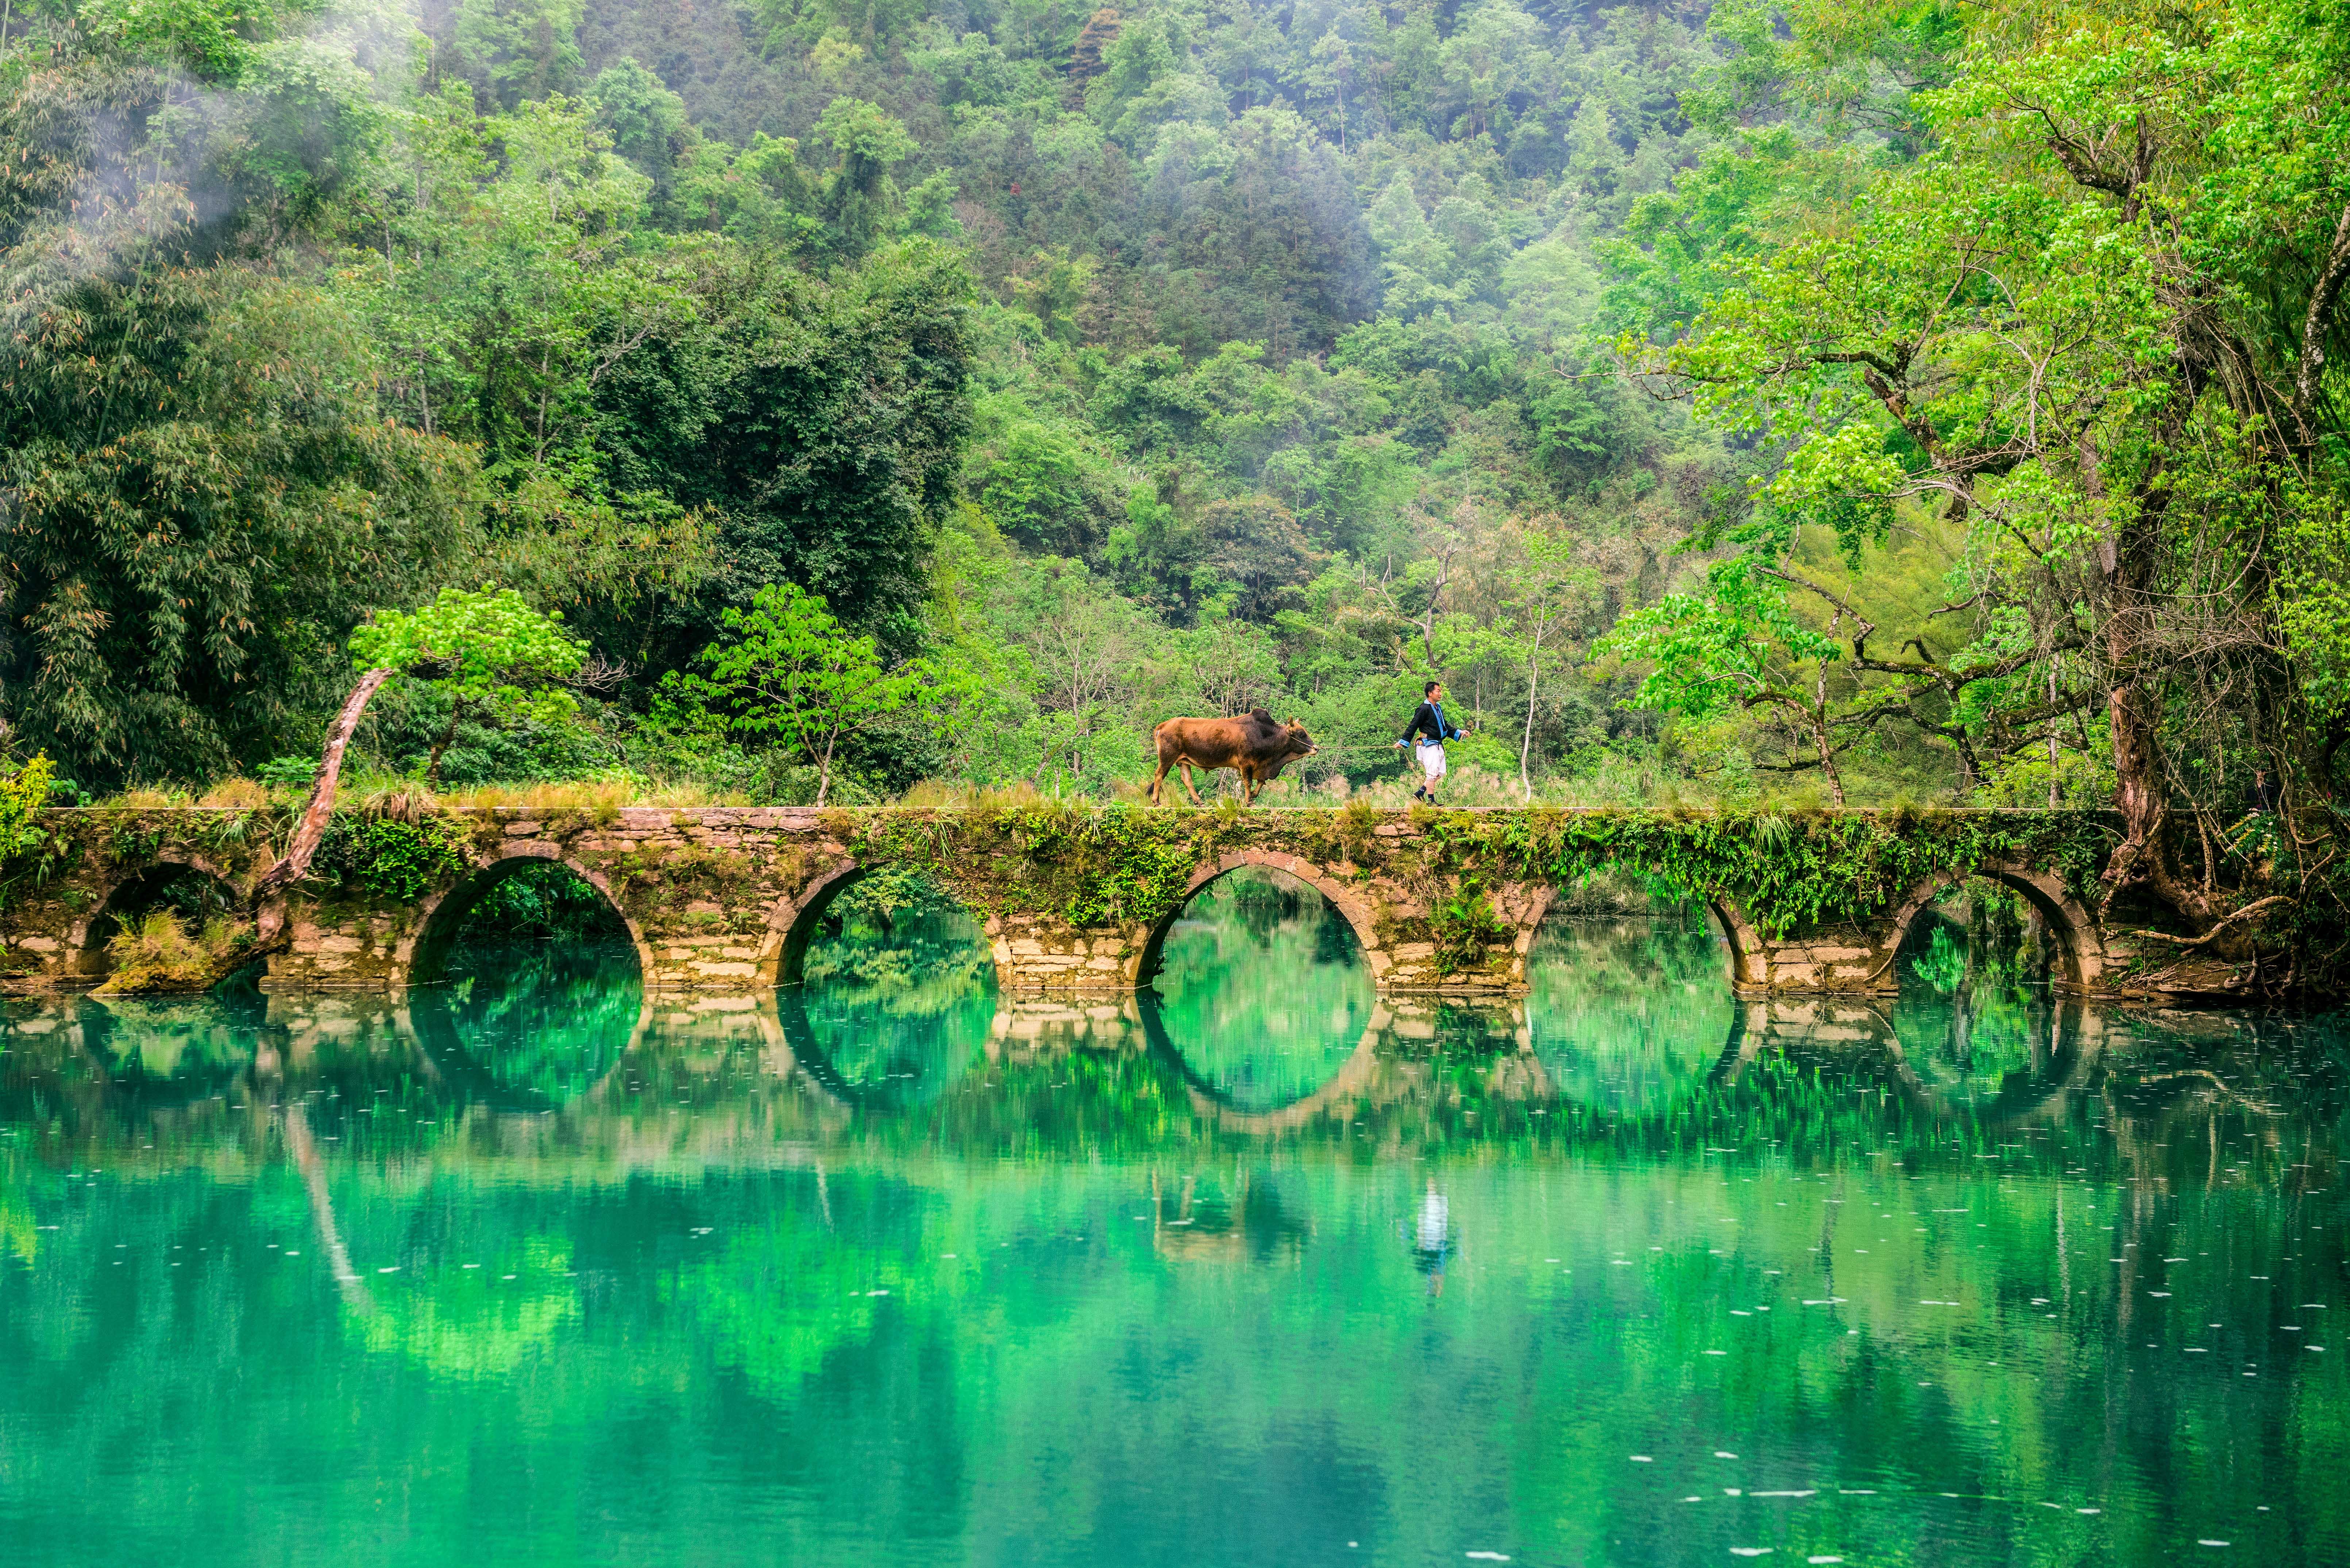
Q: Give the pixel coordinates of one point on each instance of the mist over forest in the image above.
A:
(1752, 403)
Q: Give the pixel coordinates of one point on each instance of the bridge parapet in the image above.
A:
(725, 899)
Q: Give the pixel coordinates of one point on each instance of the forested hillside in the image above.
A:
(1867, 400)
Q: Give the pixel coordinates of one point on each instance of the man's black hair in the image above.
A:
(1429, 687)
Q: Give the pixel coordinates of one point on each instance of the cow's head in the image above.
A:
(1295, 741)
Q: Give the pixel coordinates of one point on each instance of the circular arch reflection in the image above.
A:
(1627, 1010)
(540, 986)
(894, 997)
(532, 1035)
(1261, 991)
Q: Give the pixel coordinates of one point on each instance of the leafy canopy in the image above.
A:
(788, 669)
(487, 648)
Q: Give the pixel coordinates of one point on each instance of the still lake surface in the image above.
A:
(1256, 1270)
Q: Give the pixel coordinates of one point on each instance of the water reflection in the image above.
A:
(899, 997)
(1431, 1238)
(1065, 1295)
(166, 1051)
(528, 1026)
(1629, 1013)
(1262, 991)
(1977, 1017)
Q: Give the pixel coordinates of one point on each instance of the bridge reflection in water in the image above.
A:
(1263, 1026)
(891, 1224)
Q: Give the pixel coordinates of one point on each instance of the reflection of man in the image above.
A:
(1432, 1238)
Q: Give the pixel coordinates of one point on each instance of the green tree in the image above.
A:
(2097, 332)
(495, 658)
(860, 199)
(790, 670)
(490, 652)
(1739, 645)
(1549, 596)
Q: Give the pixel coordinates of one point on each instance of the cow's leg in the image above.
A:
(1164, 763)
(1248, 787)
(1189, 785)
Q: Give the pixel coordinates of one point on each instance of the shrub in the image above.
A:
(157, 953)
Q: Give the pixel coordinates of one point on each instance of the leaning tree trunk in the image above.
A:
(2141, 794)
(316, 811)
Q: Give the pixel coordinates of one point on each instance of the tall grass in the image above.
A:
(156, 952)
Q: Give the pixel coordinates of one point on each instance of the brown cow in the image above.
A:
(1252, 743)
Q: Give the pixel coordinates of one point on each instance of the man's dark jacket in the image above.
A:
(1430, 722)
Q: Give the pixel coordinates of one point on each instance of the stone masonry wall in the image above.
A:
(719, 899)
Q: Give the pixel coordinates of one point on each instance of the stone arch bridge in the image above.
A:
(726, 900)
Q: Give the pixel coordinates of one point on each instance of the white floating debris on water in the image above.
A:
(1724, 1454)
(1751, 1551)
(1642, 1460)
(1486, 1556)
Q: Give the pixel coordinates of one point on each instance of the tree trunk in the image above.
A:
(2140, 794)
(2051, 738)
(320, 807)
(1828, 754)
(823, 770)
(1526, 742)
(448, 738)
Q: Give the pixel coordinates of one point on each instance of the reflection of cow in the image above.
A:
(1253, 743)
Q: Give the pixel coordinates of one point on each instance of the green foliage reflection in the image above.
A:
(1261, 990)
(1629, 1015)
(543, 994)
(898, 996)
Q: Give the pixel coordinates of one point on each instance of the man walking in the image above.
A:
(1429, 725)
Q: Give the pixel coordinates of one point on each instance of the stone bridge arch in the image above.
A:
(1749, 951)
(421, 954)
(2082, 964)
(1143, 968)
(793, 921)
(85, 945)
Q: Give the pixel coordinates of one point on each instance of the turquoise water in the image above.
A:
(1257, 1268)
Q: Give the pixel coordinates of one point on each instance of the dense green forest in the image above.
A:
(1871, 402)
